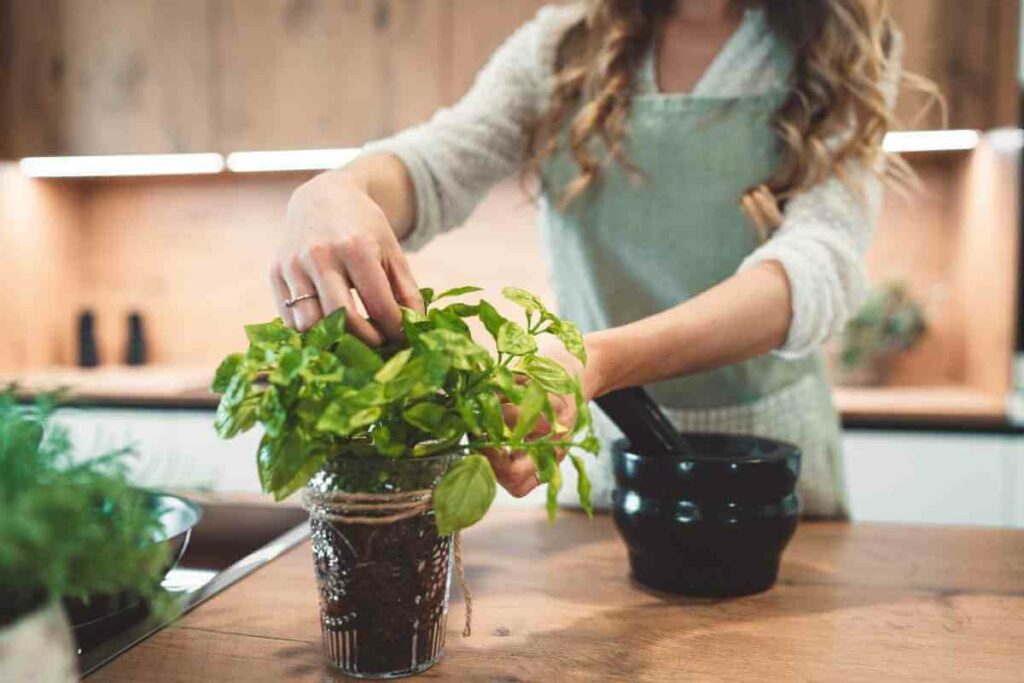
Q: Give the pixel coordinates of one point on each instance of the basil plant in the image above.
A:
(324, 394)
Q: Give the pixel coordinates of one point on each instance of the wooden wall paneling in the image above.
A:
(317, 73)
(970, 50)
(986, 263)
(32, 73)
(39, 275)
(478, 29)
(191, 254)
(296, 73)
(415, 57)
(138, 76)
(915, 244)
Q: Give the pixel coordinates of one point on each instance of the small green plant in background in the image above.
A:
(889, 321)
(326, 394)
(67, 529)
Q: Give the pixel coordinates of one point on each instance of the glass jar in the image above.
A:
(382, 570)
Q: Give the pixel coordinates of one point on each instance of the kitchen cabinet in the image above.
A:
(108, 76)
(116, 76)
(970, 50)
(934, 477)
(893, 476)
(325, 74)
(102, 76)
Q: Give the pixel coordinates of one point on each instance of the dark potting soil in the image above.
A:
(383, 593)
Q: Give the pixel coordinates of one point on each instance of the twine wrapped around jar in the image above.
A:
(343, 507)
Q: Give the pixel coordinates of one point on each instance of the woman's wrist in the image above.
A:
(603, 369)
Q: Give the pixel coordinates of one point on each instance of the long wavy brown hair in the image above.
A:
(836, 111)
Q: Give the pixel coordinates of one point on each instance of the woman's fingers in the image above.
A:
(335, 292)
(403, 284)
(281, 294)
(305, 313)
(370, 280)
(515, 471)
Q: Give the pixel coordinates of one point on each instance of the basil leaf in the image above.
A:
(554, 486)
(463, 352)
(421, 376)
(310, 466)
(288, 365)
(445, 319)
(582, 484)
(530, 410)
(272, 334)
(491, 319)
(493, 419)
(428, 296)
(463, 310)
(469, 411)
(394, 365)
(385, 444)
(225, 371)
(412, 316)
(526, 300)
(327, 331)
(570, 337)
(354, 353)
(425, 416)
(548, 374)
(343, 420)
(237, 410)
(514, 340)
(279, 460)
(458, 291)
(464, 494)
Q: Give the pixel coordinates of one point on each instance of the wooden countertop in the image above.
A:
(854, 603)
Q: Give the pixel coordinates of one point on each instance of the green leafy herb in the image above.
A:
(70, 528)
(465, 494)
(325, 394)
(890, 321)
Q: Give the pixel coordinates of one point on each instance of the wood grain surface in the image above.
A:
(109, 76)
(555, 603)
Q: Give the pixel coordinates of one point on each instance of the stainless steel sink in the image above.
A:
(230, 542)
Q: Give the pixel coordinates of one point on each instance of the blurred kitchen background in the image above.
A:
(146, 266)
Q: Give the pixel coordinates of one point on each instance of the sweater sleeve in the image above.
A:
(822, 242)
(456, 156)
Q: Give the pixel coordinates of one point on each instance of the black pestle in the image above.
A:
(642, 422)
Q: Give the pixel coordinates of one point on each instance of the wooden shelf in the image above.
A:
(148, 385)
(945, 404)
(187, 386)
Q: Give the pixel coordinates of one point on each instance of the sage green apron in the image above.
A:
(626, 250)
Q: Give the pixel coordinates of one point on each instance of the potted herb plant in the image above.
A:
(888, 323)
(388, 446)
(67, 530)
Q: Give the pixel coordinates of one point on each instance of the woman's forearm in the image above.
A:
(745, 316)
(384, 178)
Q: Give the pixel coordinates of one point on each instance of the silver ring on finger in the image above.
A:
(288, 303)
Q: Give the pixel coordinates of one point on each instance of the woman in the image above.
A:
(709, 174)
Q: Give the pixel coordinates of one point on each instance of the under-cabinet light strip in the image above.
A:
(290, 160)
(122, 165)
(323, 159)
(931, 140)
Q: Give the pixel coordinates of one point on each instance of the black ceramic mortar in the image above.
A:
(710, 521)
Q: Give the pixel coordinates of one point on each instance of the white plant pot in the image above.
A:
(38, 648)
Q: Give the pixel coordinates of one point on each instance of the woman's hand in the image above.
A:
(338, 239)
(516, 472)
